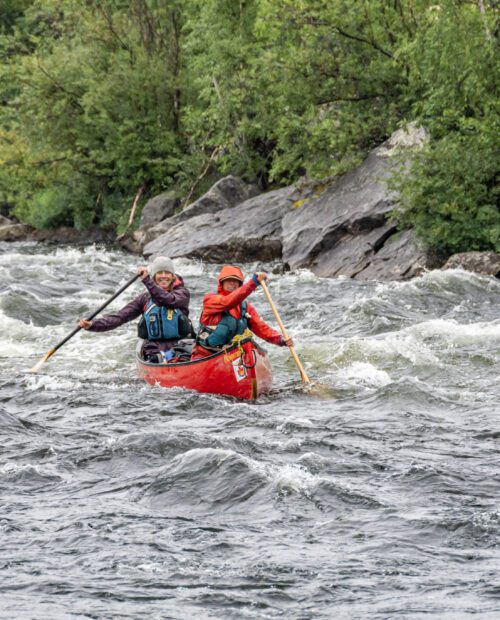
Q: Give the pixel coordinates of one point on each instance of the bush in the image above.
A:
(47, 208)
(451, 194)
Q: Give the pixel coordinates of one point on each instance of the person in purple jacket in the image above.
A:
(164, 307)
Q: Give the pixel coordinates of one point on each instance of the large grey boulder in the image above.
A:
(379, 254)
(226, 193)
(348, 256)
(341, 230)
(158, 208)
(400, 257)
(251, 230)
(485, 263)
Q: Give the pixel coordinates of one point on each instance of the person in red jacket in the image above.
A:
(226, 314)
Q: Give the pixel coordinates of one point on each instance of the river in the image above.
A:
(377, 497)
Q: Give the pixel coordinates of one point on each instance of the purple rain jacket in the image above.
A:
(178, 297)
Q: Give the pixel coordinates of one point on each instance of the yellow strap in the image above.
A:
(170, 314)
(237, 340)
(239, 337)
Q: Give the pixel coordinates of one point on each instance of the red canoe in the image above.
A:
(241, 372)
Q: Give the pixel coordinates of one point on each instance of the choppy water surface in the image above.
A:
(378, 499)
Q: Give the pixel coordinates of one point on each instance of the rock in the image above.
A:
(130, 243)
(159, 208)
(485, 263)
(4, 221)
(340, 230)
(14, 232)
(143, 236)
(410, 137)
(68, 235)
(380, 254)
(400, 257)
(351, 254)
(249, 231)
(134, 242)
(226, 193)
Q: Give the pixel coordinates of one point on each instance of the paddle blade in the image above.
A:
(320, 390)
(39, 364)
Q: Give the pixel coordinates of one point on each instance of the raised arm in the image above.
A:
(128, 313)
(215, 303)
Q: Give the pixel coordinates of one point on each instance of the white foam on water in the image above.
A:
(215, 455)
(451, 285)
(295, 478)
(12, 349)
(421, 344)
(288, 477)
(14, 328)
(312, 459)
(454, 333)
(385, 347)
(151, 567)
(457, 394)
(488, 521)
(61, 260)
(362, 373)
(9, 469)
(458, 275)
(49, 383)
(445, 280)
(299, 275)
(19, 339)
(189, 267)
(399, 344)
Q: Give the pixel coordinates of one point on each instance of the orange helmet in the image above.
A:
(228, 271)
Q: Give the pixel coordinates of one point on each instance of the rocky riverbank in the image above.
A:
(337, 228)
(341, 227)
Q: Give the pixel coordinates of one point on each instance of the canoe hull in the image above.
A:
(243, 373)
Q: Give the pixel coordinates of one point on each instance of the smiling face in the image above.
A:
(230, 284)
(164, 279)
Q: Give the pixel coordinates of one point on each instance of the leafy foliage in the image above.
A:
(452, 198)
(451, 195)
(99, 98)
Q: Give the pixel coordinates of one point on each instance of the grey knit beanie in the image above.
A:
(161, 263)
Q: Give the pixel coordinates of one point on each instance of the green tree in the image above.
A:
(102, 97)
(451, 194)
(96, 106)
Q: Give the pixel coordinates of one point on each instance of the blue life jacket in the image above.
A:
(216, 336)
(162, 323)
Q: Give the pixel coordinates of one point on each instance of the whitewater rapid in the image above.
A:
(376, 498)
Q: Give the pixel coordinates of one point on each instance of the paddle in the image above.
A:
(303, 374)
(37, 366)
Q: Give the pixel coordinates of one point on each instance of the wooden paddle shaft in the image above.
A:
(100, 309)
(293, 353)
(37, 366)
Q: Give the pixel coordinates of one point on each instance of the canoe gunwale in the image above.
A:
(201, 359)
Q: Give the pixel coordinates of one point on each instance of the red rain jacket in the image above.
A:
(214, 304)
